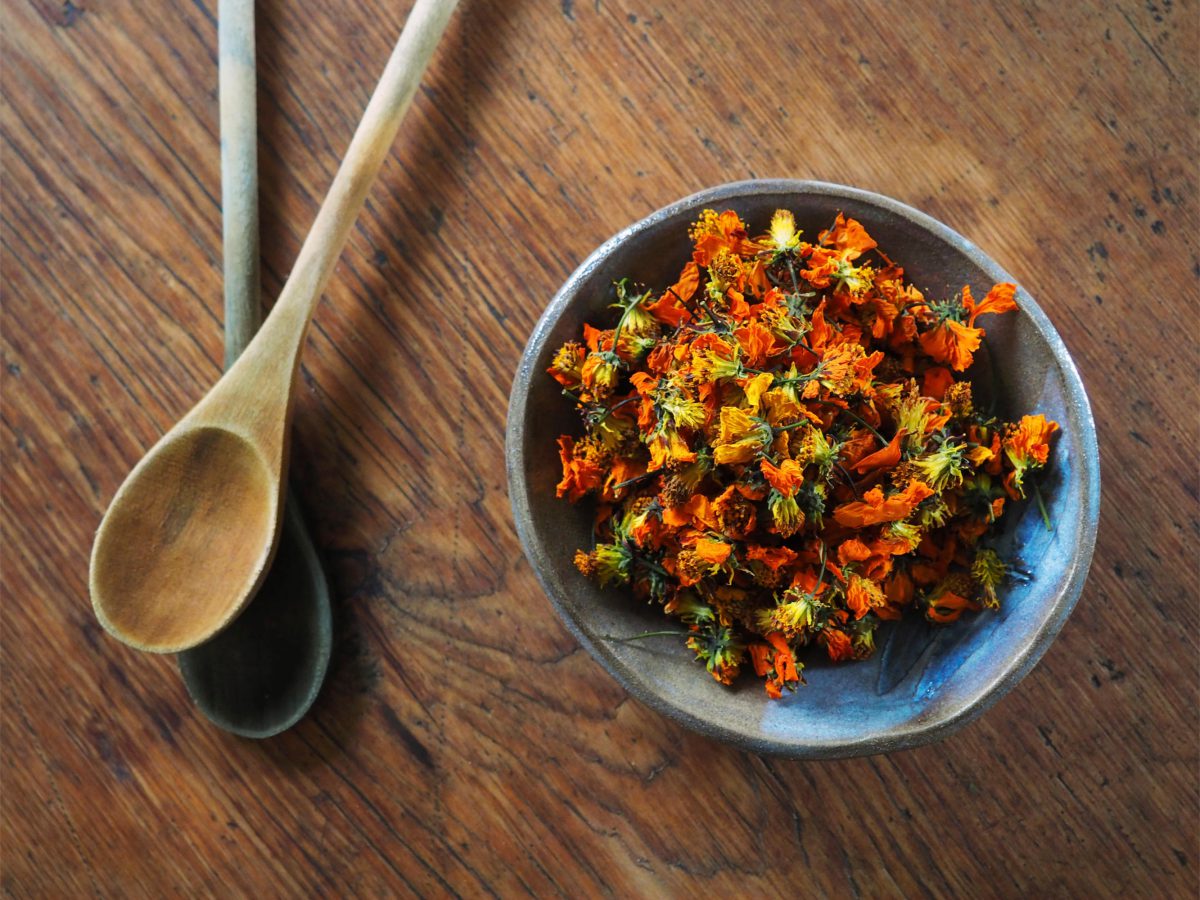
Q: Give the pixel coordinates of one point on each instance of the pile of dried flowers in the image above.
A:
(782, 452)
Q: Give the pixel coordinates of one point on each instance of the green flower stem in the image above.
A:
(628, 399)
(652, 566)
(849, 479)
(636, 302)
(792, 271)
(637, 479)
(857, 418)
(1037, 493)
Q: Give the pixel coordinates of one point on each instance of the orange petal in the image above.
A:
(885, 458)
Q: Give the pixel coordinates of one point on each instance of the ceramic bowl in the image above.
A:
(925, 681)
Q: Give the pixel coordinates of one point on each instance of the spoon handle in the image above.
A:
(239, 173)
(277, 343)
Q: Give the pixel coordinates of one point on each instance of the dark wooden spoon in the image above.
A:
(260, 675)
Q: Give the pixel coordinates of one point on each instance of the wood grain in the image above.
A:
(465, 745)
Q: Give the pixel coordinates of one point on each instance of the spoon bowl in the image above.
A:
(201, 487)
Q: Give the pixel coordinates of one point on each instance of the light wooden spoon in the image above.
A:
(190, 534)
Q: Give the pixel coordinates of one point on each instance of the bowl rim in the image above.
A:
(924, 729)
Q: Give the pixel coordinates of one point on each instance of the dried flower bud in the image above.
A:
(600, 373)
(786, 514)
(958, 398)
(567, 365)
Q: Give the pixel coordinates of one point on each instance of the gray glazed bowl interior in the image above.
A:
(924, 681)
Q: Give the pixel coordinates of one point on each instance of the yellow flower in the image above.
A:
(724, 271)
(779, 407)
(714, 358)
(611, 430)
(686, 413)
(987, 571)
(1027, 446)
(688, 607)
(812, 445)
(853, 279)
(684, 479)
(943, 468)
(755, 388)
(639, 323)
(793, 618)
(607, 563)
(958, 399)
(912, 413)
(600, 373)
(786, 513)
(863, 595)
(783, 236)
(668, 447)
(567, 366)
(900, 537)
(741, 437)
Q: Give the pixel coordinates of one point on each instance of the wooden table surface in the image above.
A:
(464, 743)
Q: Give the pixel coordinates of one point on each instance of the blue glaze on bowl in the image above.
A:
(925, 681)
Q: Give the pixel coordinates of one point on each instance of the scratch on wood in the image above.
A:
(1149, 46)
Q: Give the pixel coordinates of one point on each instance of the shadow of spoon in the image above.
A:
(260, 675)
